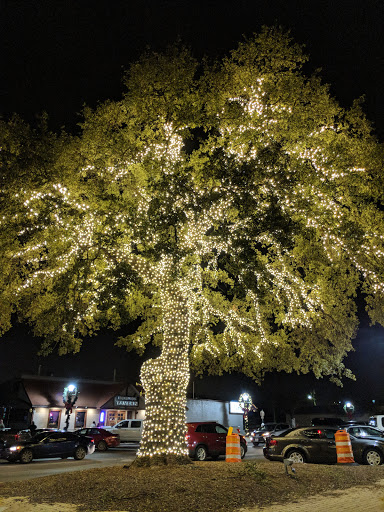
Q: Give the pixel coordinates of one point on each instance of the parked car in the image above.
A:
(317, 444)
(377, 421)
(13, 434)
(208, 439)
(102, 438)
(128, 430)
(364, 431)
(267, 430)
(48, 445)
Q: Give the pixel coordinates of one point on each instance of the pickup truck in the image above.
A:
(128, 430)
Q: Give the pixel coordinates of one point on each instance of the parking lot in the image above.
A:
(124, 454)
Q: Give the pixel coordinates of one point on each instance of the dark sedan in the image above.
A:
(48, 445)
(317, 444)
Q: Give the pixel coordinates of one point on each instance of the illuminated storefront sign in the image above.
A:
(126, 401)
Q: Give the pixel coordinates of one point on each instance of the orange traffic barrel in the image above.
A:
(343, 447)
(232, 447)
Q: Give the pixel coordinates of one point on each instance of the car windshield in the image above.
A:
(268, 426)
(286, 432)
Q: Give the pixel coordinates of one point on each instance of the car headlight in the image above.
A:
(266, 434)
(15, 448)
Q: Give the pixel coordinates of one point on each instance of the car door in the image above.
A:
(135, 427)
(121, 429)
(329, 453)
(61, 444)
(41, 447)
(221, 439)
(209, 438)
(317, 445)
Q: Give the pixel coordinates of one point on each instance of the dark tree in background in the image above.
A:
(233, 211)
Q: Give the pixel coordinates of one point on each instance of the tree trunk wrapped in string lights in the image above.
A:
(231, 214)
(165, 381)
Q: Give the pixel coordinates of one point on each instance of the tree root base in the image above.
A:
(161, 460)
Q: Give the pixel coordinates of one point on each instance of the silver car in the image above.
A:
(364, 431)
(267, 430)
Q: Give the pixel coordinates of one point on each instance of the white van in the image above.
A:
(128, 430)
(377, 421)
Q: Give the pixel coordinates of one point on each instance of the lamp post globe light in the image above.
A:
(70, 395)
(246, 405)
(349, 409)
(312, 396)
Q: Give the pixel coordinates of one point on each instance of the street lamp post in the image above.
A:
(312, 396)
(246, 405)
(349, 409)
(70, 396)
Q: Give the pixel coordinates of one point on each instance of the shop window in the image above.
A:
(54, 419)
(114, 417)
(80, 419)
(121, 415)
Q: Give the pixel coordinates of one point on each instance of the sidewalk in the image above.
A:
(356, 499)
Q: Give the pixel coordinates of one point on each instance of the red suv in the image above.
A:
(207, 439)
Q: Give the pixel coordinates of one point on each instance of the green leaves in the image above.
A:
(243, 187)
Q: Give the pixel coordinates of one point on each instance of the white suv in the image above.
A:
(128, 430)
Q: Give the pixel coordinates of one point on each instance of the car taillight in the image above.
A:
(187, 437)
(272, 442)
(17, 437)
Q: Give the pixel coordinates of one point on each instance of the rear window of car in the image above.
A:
(329, 433)
(135, 424)
(206, 428)
(313, 433)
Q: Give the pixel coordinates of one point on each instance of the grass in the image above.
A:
(201, 486)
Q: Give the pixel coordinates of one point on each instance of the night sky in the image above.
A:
(59, 55)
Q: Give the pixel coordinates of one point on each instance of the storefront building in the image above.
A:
(97, 402)
(101, 403)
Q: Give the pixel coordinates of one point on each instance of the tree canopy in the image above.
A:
(233, 210)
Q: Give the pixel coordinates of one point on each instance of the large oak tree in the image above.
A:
(233, 211)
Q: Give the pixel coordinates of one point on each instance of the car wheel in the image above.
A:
(295, 456)
(80, 453)
(102, 446)
(242, 451)
(373, 457)
(26, 456)
(201, 453)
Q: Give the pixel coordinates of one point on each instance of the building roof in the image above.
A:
(48, 391)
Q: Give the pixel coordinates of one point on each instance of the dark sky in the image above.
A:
(58, 55)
